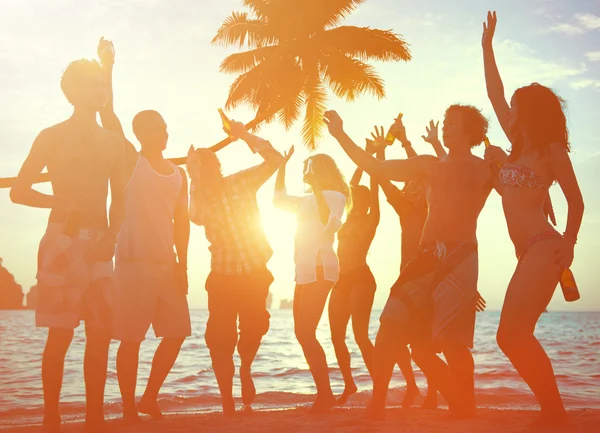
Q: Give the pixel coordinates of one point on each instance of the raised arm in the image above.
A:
(22, 191)
(181, 227)
(281, 198)
(399, 132)
(562, 169)
(108, 117)
(432, 138)
(493, 82)
(259, 174)
(397, 170)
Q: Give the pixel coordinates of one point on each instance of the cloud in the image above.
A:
(586, 83)
(583, 22)
(593, 56)
(588, 21)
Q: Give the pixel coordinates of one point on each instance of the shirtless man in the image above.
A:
(431, 305)
(75, 253)
(151, 255)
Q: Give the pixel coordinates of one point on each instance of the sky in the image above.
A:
(164, 61)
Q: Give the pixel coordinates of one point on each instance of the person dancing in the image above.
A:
(536, 127)
(319, 218)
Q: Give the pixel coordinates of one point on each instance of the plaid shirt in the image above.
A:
(238, 244)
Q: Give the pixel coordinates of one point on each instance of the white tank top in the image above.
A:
(150, 200)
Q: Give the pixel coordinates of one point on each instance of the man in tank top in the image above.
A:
(151, 259)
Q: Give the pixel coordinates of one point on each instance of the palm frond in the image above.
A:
(244, 61)
(312, 129)
(365, 43)
(260, 8)
(245, 87)
(349, 78)
(330, 13)
(238, 29)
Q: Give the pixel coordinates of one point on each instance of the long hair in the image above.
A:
(541, 118)
(329, 176)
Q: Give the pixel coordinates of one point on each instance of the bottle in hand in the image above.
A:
(389, 138)
(568, 286)
(226, 122)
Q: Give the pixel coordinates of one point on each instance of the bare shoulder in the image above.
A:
(558, 150)
(182, 172)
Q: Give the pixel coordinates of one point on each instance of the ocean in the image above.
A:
(282, 378)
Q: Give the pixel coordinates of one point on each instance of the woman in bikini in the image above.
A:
(353, 294)
(319, 218)
(536, 126)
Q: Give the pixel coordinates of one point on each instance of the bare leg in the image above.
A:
(309, 303)
(254, 324)
(405, 364)
(385, 355)
(431, 401)
(339, 316)
(221, 338)
(439, 373)
(162, 363)
(528, 294)
(461, 364)
(127, 368)
(53, 364)
(95, 363)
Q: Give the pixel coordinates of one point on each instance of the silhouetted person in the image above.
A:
(410, 204)
(432, 305)
(353, 293)
(536, 126)
(151, 257)
(319, 217)
(238, 284)
(75, 254)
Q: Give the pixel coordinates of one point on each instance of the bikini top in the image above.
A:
(520, 176)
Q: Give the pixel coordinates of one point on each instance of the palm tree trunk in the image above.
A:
(6, 182)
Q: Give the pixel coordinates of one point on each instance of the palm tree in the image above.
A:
(296, 50)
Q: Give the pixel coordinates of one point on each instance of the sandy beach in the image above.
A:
(345, 421)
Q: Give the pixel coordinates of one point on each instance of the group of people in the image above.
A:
(431, 307)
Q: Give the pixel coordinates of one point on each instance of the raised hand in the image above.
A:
(106, 51)
(288, 154)
(489, 29)
(432, 133)
(334, 123)
(237, 129)
(378, 139)
(398, 130)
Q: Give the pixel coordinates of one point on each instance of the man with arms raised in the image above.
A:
(238, 284)
(432, 304)
(75, 254)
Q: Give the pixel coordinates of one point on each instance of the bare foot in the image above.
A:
(248, 388)
(228, 407)
(430, 401)
(52, 424)
(131, 418)
(412, 392)
(98, 426)
(322, 404)
(374, 412)
(149, 407)
(348, 391)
